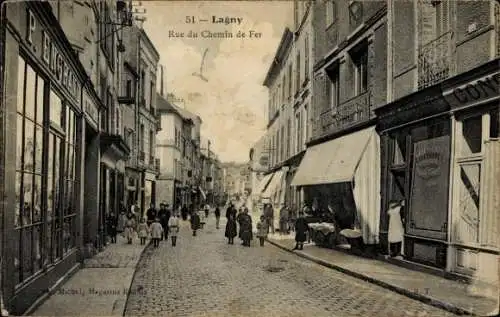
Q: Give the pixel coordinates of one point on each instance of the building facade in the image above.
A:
(58, 100)
(259, 165)
(138, 94)
(442, 146)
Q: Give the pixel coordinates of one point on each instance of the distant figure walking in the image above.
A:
(269, 215)
(130, 228)
(184, 212)
(151, 214)
(122, 220)
(246, 228)
(217, 217)
(156, 232)
(164, 215)
(112, 223)
(262, 230)
(301, 230)
(195, 222)
(173, 225)
(230, 229)
(143, 231)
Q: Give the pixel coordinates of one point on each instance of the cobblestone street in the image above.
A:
(204, 276)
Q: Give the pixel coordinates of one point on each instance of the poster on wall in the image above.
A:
(429, 188)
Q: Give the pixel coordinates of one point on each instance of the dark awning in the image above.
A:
(114, 146)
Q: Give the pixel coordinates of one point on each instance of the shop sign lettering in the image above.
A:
(52, 57)
(91, 110)
(481, 89)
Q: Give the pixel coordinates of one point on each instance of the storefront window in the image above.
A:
(472, 136)
(70, 181)
(399, 155)
(469, 203)
(29, 172)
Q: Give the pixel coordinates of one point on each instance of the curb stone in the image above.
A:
(420, 297)
(132, 280)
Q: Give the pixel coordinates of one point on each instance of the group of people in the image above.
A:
(264, 226)
(158, 224)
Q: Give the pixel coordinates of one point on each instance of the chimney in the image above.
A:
(161, 80)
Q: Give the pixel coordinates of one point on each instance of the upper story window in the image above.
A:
(434, 20)
(297, 73)
(290, 80)
(334, 87)
(306, 56)
(331, 12)
(106, 34)
(359, 58)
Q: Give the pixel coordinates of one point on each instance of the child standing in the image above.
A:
(173, 224)
(262, 230)
(143, 231)
(112, 224)
(156, 232)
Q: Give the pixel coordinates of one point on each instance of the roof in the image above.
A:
(284, 46)
(165, 106)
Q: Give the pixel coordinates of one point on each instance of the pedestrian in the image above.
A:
(283, 220)
(396, 230)
(173, 225)
(130, 226)
(230, 229)
(143, 230)
(301, 229)
(121, 221)
(217, 217)
(207, 210)
(195, 222)
(292, 216)
(164, 215)
(230, 211)
(262, 230)
(203, 219)
(156, 232)
(246, 228)
(112, 222)
(151, 214)
(184, 212)
(269, 214)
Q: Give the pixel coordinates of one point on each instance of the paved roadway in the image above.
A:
(204, 276)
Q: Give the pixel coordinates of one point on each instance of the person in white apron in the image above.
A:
(396, 230)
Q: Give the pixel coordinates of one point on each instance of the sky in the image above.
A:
(233, 102)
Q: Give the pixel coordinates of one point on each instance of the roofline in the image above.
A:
(285, 44)
(150, 43)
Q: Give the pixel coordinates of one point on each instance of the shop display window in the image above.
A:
(29, 171)
(470, 177)
(471, 140)
(36, 181)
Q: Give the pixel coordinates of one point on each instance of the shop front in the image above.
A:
(274, 193)
(340, 180)
(42, 182)
(439, 148)
(114, 152)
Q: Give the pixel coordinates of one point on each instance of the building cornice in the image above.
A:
(281, 52)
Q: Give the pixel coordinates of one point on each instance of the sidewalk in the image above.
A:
(433, 290)
(100, 288)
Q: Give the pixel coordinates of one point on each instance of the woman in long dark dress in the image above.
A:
(246, 228)
(301, 229)
(231, 229)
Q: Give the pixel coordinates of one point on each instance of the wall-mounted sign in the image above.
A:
(479, 90)
(91, 111)
(51, 55)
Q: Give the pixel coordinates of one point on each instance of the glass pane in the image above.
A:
(37, 199)
(39, 100)
(48, 243)
(398, 185)
(69, 198)
(399, 149)
(73, 164)
(469, 203)
(19, 142)
(38, 149)
(50, 179)
(37, 247)
(17, 217)
(56, 241)
(67, 158)
(17, 255)
(57, 174)
(29, 107)
(29, 145)
(26, 211)
(26, 252)
(68, 233)
(67, 123)
(55, 109)
(472, 136)
(20, 85)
